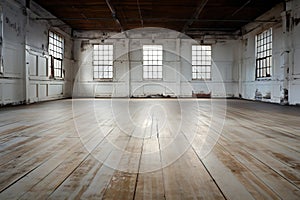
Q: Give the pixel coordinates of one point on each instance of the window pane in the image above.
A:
(194, 75)
(264, 54)
(201, 62)
(56, 50)
(159, 74)
(159, 68)
(96, 74)
(101, 74)
(152, 61)
(199, 76)
(207, 75)
(103, 61)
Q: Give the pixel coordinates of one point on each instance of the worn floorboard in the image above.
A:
(150, 149)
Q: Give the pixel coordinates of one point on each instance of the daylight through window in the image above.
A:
(201, 62)
(56, 52)
(103, 61)
(264, 54)
(152, 61)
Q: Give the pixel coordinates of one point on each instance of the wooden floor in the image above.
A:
(149, 149)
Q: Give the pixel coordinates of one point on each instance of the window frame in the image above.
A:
(56, 42)
(155, 68)
(105, 62)
(198, 58)
(264, 55)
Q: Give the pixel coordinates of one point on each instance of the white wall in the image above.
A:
(24, 60)
(12, 84)
(284, 42)
(222, 76)
(25, 76)
(294, 76)
(246, 61)
(128, 79)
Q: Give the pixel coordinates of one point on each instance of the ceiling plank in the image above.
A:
(195, 15)
(114, 14)
(185, 16)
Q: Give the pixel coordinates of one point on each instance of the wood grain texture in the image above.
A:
(149, 149)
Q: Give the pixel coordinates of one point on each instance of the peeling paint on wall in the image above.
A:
(26, 80)
(85, 44)
(14, 26)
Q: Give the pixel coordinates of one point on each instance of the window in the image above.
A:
(264, 54)
(103, 61)
(201, 62)
(152, 61)
(56, 52)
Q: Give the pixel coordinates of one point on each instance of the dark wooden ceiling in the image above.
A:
(189, 16)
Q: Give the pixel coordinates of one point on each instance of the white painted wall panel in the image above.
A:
(105, 89)
(34, 37)
(153, 88)
(294, 93)
(31, 61)
(137, 90)
(11, 92)
(55, 89)
(121, 89)
(1, 91)
(13, 60)
(296, 66)
(42, 66)
(43, 91)
(33, 92)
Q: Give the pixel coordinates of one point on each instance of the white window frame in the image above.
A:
(152, 62)
(263, 54)
(103, 57)
(201, 62)
(56, 53)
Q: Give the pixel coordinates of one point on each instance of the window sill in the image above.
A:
(152, 79)
(264, 79)
(103, 80)
(200, 80)
(56, 79)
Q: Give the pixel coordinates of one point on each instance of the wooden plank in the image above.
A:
(279, 185)
(90, 179)
(280, 159)
(23, 185)
(180, 183)
(74, 164)
(13, 170)
(156, 152)
(123, 182)
(256, 186)
(150, 180)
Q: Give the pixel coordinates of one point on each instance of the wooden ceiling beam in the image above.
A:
(195, 15)
(114, 14)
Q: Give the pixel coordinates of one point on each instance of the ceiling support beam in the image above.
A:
(207, 33)
(195, 15)
(140, 13)
(27, 3)
(114, 14)
(163, 20)
(240, 8)
(213, 35)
